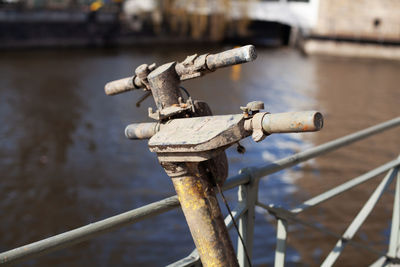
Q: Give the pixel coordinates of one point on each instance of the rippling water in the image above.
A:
(64, 160)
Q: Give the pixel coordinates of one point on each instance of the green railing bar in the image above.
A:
(395, 228)
(92, 230)
(236, 213)
(281, 238)
(259, 172)
(88, 231)
(287, 215)
(234, 181)
(346, 186)
(192, 260)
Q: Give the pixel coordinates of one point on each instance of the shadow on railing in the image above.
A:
(247, 181)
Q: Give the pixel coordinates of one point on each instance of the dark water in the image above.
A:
(64, 160)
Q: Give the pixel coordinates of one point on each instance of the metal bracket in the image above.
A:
(256, 123)
(192, 67)
(172, 110)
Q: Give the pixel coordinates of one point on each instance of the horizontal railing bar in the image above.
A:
(192, 259)
(234, 181)
(287, 215)
(281, 164)
(88, 231)
(379, 262)
(236, 213)
(346, 186)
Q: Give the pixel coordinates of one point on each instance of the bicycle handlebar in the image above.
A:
(288, 122)
(211, 62)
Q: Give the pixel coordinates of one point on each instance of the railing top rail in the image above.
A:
(346, 186)
(89, 231)
(258, 172)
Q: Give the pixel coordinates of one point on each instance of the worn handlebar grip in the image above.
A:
(119, 86)
(143, 130)
(123, 85)
(231, 57)
(293, 122)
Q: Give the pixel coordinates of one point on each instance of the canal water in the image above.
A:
(64, 160)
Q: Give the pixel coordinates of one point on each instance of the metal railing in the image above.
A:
(247, 181)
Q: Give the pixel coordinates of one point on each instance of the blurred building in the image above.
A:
(368, 28)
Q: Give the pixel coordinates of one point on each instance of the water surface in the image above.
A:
(64, 160)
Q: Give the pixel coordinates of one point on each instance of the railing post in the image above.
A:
(247, 195)
(281, 237)
(395, 228)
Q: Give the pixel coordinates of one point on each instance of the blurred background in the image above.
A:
(64, 159)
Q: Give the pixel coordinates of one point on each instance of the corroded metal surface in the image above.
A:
(293, 122)
(198, 134)
(120, 86)
(232, 57)
(164, 84)
(142, 130)
(192, 67)
(203, 215)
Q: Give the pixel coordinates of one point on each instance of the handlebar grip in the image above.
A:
(122, 85)
(143, 130)
(293, 122)
(231, 57)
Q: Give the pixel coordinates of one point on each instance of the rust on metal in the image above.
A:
(203, 215)
(293, 122)
(164, 84)
(199, 134)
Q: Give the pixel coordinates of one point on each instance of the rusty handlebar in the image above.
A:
(292, 122)
(231, 57)
(287, 122)
(199, 65)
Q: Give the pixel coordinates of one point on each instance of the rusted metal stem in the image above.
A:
(164, 84)
(203, 215)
